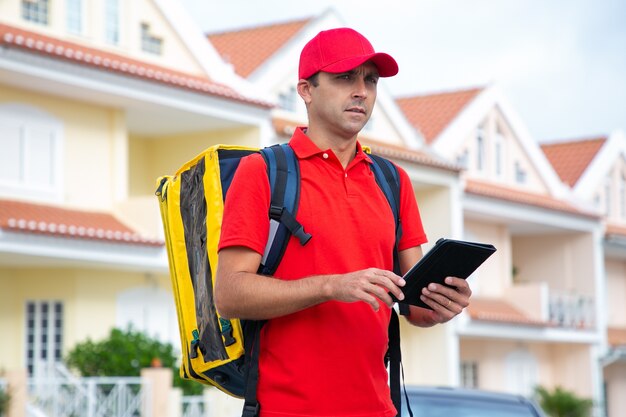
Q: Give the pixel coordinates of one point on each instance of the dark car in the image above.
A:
(459, 402)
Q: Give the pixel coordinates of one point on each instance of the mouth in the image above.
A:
(356, 109)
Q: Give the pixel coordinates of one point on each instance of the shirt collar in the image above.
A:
(304, 147)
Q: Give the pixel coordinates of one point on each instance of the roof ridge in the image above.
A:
(582, 139)
(257, 26)
(442, 92)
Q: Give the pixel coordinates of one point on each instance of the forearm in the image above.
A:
(251, 296)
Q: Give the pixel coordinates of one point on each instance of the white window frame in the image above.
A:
(112, 22)
(287, 100)
(469, 374)
(480, 149)
(608, 201)
(499, 143)
(522, 372)
(36, 11)
(74, 16)
(26, 118)
(44, 331)
(150, 43)
(151, 310)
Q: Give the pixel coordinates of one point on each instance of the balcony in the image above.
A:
(562, 309)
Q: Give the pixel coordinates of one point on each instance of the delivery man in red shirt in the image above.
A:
(328, 304)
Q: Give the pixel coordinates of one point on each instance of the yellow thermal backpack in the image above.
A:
(217, 351)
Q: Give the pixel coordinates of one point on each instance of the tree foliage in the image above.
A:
(562, 403)
(5, 400)
(125, 353)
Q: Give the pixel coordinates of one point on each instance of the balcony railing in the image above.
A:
(194, 406)
(571, 310)
(558, 308)
(90, 397)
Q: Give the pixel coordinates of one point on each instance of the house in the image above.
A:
(595, 169)
(537, 312)
(97, 100)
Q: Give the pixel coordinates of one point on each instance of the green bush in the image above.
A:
(125, 353)
(5, 399)
(563, 403)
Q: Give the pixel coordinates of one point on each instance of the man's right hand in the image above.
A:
(369, 285)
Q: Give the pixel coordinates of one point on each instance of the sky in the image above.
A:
(560, 63)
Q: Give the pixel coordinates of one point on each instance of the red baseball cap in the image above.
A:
(340, 50)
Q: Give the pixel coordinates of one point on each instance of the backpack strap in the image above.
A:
(283, 172)
(388, 179)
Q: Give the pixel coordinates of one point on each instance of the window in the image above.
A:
(463, 158)
(287, 100)
(521, 372)
(112, 21)
(149, 42)
(520, 173)
(499, 152)
(74, 16)
(607, 197)
(30, 158)
(480, 149)
(622, 195)
(44, 335)
(150, 310)
(469, 374)
(36, 11)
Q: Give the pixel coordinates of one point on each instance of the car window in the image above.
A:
(468, 407)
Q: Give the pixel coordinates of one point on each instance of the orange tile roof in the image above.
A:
(432, 113)
(570, 159)
(497, 310)
(23, 217)
(616, 336)
(12, 37)
(247, 49)
(516, 195)
(285, 128)
(615, 230)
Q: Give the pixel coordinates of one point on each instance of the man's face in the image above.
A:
(342, 103)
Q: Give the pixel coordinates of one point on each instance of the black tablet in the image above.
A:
(448, 258)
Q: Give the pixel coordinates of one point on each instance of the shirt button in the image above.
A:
(346, 175)
(325, 155)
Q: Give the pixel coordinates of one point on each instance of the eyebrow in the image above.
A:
(372, 73)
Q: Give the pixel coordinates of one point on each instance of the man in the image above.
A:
(328, 304)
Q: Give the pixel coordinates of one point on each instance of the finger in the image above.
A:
(383, 295)
(447, 302)
(388, 282)
(438, 308)
(371, 300)
(460, 284)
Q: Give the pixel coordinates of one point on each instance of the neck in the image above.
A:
(343, 147)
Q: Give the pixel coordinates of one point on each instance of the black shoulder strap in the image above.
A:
(388, 179)
(284, 176)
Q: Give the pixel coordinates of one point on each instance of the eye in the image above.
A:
(345, 76)
(372, 80)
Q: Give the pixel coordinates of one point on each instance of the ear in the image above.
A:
(304, 90)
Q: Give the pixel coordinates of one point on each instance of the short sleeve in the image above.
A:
(245, 221)
(412, 228)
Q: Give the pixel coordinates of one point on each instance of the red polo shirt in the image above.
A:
(326, 360)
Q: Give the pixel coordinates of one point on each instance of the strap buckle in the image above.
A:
(251, 410)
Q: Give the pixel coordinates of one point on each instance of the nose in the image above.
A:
(360, 88)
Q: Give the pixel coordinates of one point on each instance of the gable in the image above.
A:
(493, 151)
(247, 49)
(432, 113)
(571, 159)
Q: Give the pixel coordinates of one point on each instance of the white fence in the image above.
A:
(90, 397)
